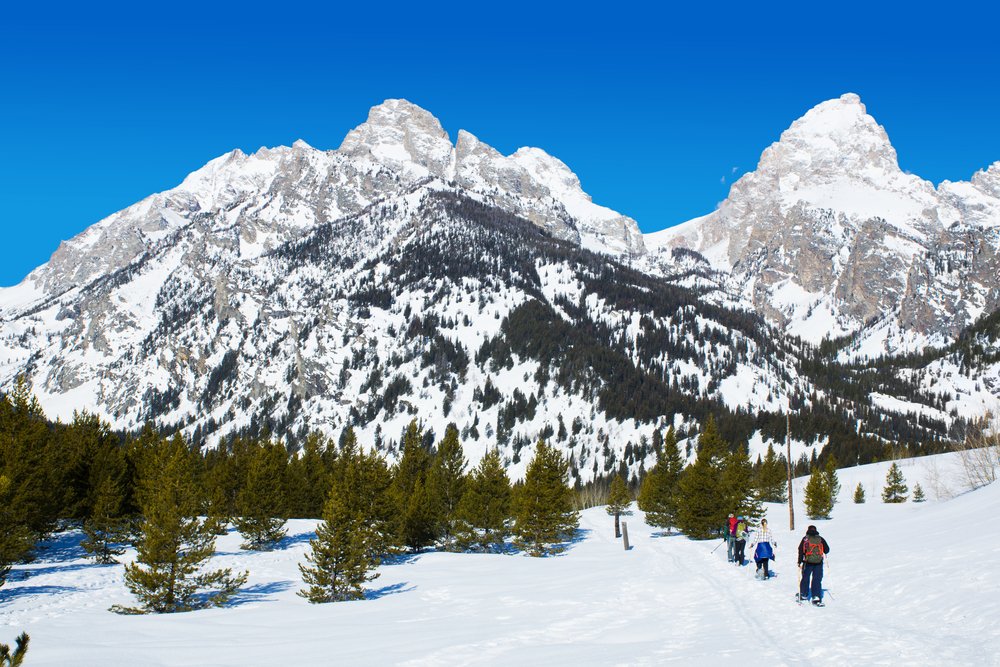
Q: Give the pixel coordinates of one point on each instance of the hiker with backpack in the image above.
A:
(764, 550)
(812, 553)
(740, 540)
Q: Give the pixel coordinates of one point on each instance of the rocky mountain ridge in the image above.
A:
(400, 275)
(828, 235)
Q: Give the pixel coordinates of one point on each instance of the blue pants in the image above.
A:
(813, 571)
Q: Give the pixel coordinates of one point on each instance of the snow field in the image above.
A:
(906, 584)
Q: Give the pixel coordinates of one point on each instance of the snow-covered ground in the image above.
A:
(906, 584)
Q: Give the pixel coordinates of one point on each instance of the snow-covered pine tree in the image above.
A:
(447, 482)
(817, 497)
(544, 514)
(261, 502)
(859, 494)
(702, 507)
(484, 513)
(918, 493)
(895, 490)
(619, 499)
(658, 492)
(348, 543)
(174, 545)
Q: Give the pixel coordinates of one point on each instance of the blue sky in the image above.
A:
(657, 109)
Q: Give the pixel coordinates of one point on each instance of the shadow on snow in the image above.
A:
(391, 589)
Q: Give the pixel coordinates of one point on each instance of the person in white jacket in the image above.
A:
(763, 547)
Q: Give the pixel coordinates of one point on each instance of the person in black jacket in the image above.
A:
(812, 553)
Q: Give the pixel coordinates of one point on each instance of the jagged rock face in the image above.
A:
(829, 223)
(281, 193)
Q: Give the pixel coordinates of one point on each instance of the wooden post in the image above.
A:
(625, 534)
(788, 462)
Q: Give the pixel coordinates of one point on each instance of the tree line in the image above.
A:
(170, 500)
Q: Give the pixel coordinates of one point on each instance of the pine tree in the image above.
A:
(737, 485)
(918, 494)
(35, 495)
(260, 502)
(447, 482)
(817, 500)
(832, 481)
(484, 513)
(658, 494)
(417, 510)
(105, 526)
(702, 507)
(859, 494)
(619, 499)
(348, 543)
(15, 659)
(15, 538)
(895, 490)
(309, 477)
(771, 479)
(168, 575)
(544, 516)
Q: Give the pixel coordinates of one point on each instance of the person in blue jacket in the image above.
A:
(763, 549)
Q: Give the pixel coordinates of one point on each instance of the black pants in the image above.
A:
(763, 562)
(738, 554)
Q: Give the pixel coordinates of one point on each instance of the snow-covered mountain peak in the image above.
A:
(834, 140)
(402, 135)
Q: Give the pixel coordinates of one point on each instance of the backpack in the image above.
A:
(812, 549)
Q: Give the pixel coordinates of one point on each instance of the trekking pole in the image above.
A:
(719, 545)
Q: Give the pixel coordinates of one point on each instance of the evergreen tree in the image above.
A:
(771, 478)
(859, 494)
(417, 510)
(261, 500)
(918, 494)
(174, 545)
(34, 469)
(658, 494)
(832, 481)
(702, 506)
(15, 538)
(309, 477)
(447, 482)
(737, 485)
(819, 505)
(105, 526)
(348, 541)
(544, 516)
(484, 513)
(895, 490)
(15, 659)
(618, 501)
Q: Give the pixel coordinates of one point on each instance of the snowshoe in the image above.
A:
(818, 603)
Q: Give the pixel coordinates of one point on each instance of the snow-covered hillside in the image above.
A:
(906, 584)
(828, 234)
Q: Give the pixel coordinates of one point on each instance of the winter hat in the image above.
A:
(811, 530)
(730, 515)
